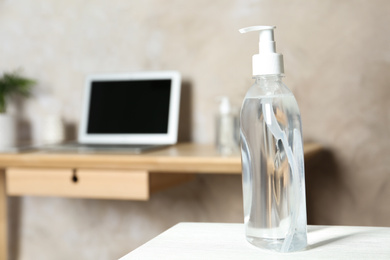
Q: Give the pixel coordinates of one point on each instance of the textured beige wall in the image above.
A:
(337, 60)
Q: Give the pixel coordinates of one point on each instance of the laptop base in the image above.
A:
(92, 148)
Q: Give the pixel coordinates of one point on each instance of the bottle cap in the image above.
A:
(267, 61)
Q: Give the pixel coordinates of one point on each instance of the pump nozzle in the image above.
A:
(267, 61)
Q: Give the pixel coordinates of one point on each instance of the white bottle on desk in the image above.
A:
(225, 128)
(272, 155)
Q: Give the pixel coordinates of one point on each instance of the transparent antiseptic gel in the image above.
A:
(272, 155)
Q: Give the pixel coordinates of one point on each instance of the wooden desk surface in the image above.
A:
(185, 157)
(227, 241)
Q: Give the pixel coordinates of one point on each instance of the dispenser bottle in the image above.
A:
(225, 128)
(272, 155)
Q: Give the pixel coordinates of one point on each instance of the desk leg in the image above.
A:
(3, 217)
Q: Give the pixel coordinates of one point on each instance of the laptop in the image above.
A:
(131, 112)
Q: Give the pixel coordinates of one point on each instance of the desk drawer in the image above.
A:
(80, 183)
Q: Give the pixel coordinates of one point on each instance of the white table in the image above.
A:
(227, 241)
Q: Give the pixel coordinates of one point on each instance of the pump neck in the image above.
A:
(268, 85)
(269, 77)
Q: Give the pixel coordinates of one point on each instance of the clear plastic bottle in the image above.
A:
(272, 164)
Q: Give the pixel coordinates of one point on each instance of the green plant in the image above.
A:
(13, 84)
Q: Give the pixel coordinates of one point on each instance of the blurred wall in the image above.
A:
(337, 60)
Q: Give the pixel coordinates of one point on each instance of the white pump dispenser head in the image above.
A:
(267, 61)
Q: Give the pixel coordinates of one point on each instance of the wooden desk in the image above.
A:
(227, 241)
(108, 176)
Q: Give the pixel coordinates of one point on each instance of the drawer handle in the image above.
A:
(75, 179)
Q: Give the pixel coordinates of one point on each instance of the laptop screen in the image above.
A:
(129, 107)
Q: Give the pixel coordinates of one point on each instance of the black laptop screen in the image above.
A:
(129, 107)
